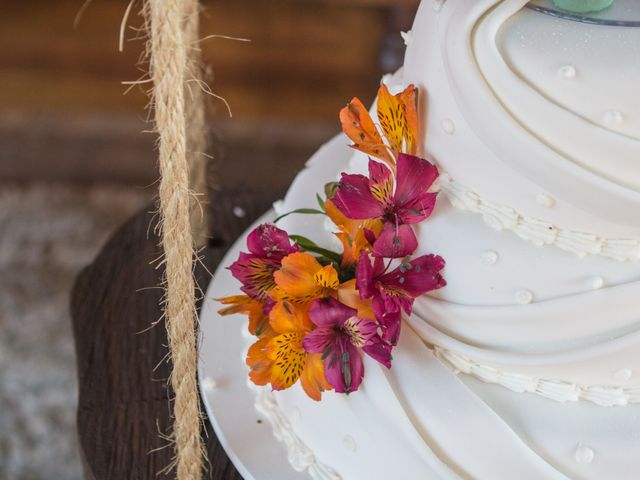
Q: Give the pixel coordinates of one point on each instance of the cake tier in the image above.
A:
(505, 121)
(421, 420)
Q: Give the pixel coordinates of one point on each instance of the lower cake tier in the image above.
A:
(547, 365)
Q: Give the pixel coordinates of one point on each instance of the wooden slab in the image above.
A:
(123, 391)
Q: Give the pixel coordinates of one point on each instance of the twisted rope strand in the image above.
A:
(168, 68)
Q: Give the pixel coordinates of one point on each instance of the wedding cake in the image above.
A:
(526, 365)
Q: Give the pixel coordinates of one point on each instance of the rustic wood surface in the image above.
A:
(123, 391)
(63, 115)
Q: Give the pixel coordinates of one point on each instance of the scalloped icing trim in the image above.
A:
(299, 455)
(558, 390)
(539, 232)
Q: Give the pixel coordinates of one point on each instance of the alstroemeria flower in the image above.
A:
(398, 117)
(352, 234)
(279, 357)
(339, 336)
(394, 292)
(256, 310)
(267, 245)
(360, 198)
(301, 278)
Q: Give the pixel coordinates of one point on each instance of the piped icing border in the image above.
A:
(299, 455)
(558, 390)
(539, 232)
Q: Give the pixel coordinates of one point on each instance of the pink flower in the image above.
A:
(395, 291)
(339, 335)
(267, 245)
(360, 198)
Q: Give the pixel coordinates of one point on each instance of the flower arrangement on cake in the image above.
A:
(316, 312)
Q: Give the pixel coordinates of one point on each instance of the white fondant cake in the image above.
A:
(506, 373)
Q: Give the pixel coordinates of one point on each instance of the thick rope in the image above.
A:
(169, 70)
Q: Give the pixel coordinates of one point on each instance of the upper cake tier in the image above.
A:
(533, 111)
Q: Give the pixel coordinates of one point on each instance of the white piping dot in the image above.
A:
(567, 71)
(545, 200)
(613, 117)
(349, 443)
(584, 454)
(448, 126)
(209, 384)
(524, 296)
(623, 375)
(596, 282)
(490, 257)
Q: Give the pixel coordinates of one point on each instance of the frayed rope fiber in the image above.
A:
(179, 119)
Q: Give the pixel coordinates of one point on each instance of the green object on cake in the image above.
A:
(583, 6)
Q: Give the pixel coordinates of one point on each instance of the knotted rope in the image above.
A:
(179, 119)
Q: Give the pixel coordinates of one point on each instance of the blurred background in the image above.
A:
(75, 161)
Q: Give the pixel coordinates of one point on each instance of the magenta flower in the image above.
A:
(360, 198)
(267, 245)
(339, 335)
(395, 291)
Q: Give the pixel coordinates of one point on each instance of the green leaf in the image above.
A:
(308, 245)
(303, 241)
(308, 211)
(320, 202)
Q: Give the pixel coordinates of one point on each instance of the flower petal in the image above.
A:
(379, 351)
(364, 277)
(259, 363)
(255, 273)
(288, 357)
(350, 296)
(329, 312)
(417, 277)
(321, 340)
(344, 368)
(312, 379)
(327, 277)
(268, 241)
(390, 321)
(354, 235)
(354, 199)
(414, 177)
(417, 209)
(391, 115)
(360, 330)
(296, 277)
(380, 182)
(358, 125)
(409, 97)
(395, 242)
(290, 317)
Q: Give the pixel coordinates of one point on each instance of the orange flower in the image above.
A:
(352, 233)
(350, 296)
(301, 278)
(359, 127)
(254, 309)
(279, 357)
(398, 117)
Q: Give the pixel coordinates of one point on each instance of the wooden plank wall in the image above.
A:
(63, 115)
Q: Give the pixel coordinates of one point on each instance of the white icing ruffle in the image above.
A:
(299, 455)
(536, 231)
(558, 390)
